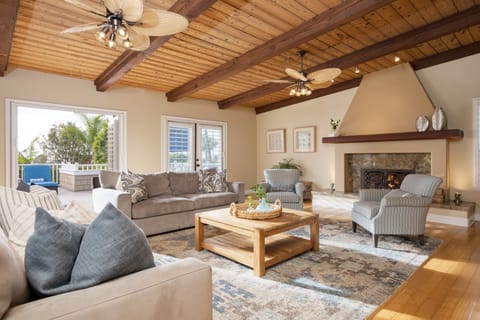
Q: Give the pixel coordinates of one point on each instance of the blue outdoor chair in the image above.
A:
(39, 174)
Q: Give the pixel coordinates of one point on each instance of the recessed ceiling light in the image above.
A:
(397, 59)
(357, 70)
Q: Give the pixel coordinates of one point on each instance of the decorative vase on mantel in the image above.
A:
(439, 119)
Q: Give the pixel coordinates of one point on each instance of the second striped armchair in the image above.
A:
(396, 212)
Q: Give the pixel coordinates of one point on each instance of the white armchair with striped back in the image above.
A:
(396, 212)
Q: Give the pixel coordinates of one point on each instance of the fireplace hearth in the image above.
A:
(383, 178)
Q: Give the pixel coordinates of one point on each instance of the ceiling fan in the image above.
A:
(126, 23)
(303, 83)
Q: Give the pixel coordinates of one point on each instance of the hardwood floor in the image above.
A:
(446, 286)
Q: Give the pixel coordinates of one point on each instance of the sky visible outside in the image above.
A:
(34, 122)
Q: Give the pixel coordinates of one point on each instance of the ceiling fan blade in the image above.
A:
(156, 22)
(278, 81)
(83, 27)
(295, 74)
(321, 85)
(85, 7)
(139, 41)
(132, 10)
(324, 75)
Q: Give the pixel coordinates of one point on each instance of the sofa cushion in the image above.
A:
(108, 179)
(157, 184)
(51, 252)
(282, 187)
(24, 221)
(161, 205)
(367, 209)
(283, 196)
(112, 246)
(206, 200)
(13, 283)
(135, 185)
(183, 182)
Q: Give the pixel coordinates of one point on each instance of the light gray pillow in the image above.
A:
(112, 246)
(50, 253)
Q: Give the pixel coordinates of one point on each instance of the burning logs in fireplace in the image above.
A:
(383, 178)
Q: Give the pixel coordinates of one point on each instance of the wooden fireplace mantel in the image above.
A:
(450, 134)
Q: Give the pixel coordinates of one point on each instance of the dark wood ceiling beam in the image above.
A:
(443, 57)
(404, 41)
(8, 16)
(191, 9)
(332, 18)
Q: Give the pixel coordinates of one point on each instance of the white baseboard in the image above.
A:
(456, 221)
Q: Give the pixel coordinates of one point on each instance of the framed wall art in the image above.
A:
(304, 139)
(276, 140)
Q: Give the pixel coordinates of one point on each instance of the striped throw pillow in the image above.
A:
(10, 198)
(23, 222)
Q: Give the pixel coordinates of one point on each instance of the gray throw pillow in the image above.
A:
(23, 186)
(112, 246)
(50, 253)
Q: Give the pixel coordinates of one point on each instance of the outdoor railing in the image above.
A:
(55, 168)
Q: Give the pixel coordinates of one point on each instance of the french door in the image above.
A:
(193, 144)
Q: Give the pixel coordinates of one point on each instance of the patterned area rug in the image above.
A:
(346, 279)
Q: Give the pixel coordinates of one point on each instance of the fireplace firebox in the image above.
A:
(383, 178)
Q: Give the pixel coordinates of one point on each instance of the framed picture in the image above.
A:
(304, 139)
(276, 140)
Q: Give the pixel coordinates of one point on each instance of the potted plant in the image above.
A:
(288, 164)
(334, 124)
(260, 192)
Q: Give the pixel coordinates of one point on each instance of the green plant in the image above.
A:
(259, 191)
(334, 123)
(286, 164)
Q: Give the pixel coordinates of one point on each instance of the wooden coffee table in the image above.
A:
(257, 244)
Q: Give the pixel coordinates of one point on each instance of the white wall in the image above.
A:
(144, 110)
(319, 166)
(453, 85)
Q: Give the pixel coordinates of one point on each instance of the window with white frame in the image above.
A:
(30, 121)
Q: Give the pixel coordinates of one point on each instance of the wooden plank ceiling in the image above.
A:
(232, 46)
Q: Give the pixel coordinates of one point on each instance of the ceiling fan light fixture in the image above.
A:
(122, 33)
(102, 34)
(127, 43)
(111, 41)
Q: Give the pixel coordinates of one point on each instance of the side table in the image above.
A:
(307, 194)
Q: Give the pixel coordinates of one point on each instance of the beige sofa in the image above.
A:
(181, 290)
(173, 199)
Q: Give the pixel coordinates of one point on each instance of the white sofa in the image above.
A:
(181, 290)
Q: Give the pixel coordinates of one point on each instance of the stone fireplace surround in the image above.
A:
(357, 164)
(436, 150)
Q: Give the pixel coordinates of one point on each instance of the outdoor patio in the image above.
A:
(84, 198)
